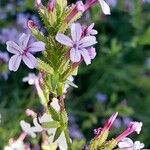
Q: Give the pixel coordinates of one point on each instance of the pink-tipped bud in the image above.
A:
(22, 136)
(107, 125)
(110, 121)
(38, 3)
(133, 127)
(80, 6)
(31, 24)
(30, 112)
(51, 5)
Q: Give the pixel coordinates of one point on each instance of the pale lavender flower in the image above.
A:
(112, 2)
(23, 51)
(128, 144)
(117, 123)
(146, 1)
(4, 57)
(127, 120)
(101, 97)
(31, 79)
(75, 132)
(2, 15)
(79, 45)
(90, 31)
(6, 36)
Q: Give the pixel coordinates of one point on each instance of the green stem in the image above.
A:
(67, 138)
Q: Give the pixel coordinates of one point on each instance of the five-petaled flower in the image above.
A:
(23, 51)
(128, 144)
(133, 127)
(79, 44)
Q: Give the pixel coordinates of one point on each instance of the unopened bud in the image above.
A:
(31, 25)
(80, 6)
(51, 5)
(38, 3)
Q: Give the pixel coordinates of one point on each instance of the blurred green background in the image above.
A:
(117, 80)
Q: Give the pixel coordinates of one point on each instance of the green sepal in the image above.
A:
(37, 34)
(55, 115)
(57, 133)
(44, 67)
(54, 81)
(51, 124)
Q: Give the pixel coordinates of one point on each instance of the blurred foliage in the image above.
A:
(120, 71)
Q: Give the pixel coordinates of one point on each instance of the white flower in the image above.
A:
(17, 145)
(26, 127)
(127, 144)
(31, 78)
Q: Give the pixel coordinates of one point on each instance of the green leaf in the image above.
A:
(51, 124)
(54, 114)
(57, 133)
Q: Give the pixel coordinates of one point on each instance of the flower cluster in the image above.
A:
(101, 135)
(62, 52)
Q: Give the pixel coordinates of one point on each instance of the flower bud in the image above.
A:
(38, 3)
(31, 25)
(51, 5)
(133, 127)
(80, 6)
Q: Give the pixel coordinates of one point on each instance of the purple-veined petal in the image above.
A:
(24, 40)
(14, 62)
(90, 27)
(93, 32)
(105, 7)
(63, 39)
(13, 48)
(36, 47)
(76, 31)
(86, 56)
(29, 60)
(75, 55)
(87, 41)
(92, 52)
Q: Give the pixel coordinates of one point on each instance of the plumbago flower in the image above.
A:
(128, 144)
(23, 51)
(45, 119)
(101, 135)
(17, 144)
(80, 46)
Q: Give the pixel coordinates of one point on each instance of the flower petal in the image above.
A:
(29, 60)
(125, 143)
(36, 47)
(92, 52)
(75, 56)
(63, 39)
(86, 56)
(76, 31)
(23, 40)
(12, 47)
(14, 62)
(105, 7)
(88, 41)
